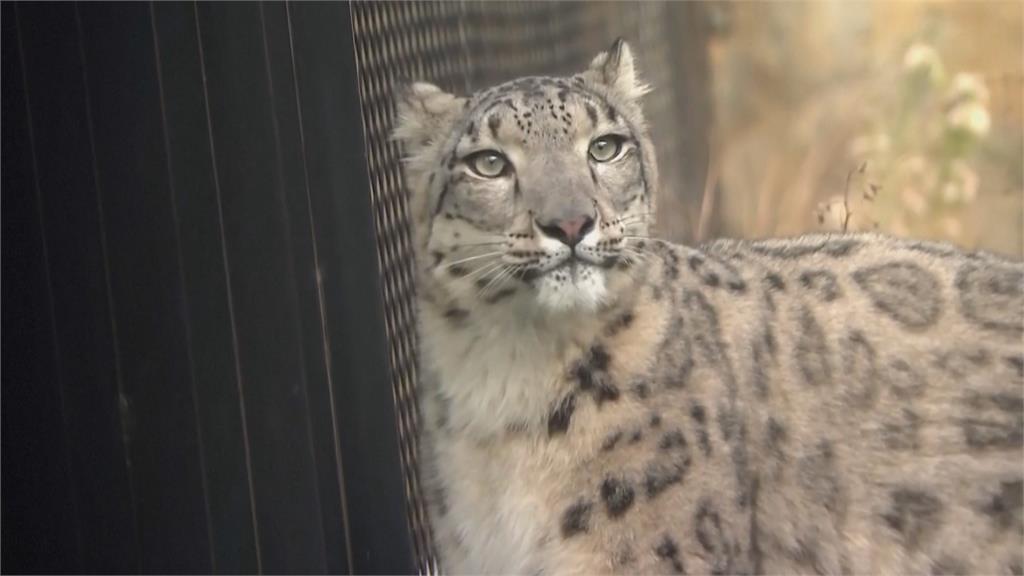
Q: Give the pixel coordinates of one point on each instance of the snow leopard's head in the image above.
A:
(533, 191)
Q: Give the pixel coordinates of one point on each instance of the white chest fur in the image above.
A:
(504, 368)
(498, 376)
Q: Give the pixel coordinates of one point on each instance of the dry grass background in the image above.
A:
(919, 104)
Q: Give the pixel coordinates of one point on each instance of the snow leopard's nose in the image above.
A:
(567, 231)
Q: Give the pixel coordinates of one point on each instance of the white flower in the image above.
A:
(972, 117)
(951, 193)
(921, 57)
(968, 87)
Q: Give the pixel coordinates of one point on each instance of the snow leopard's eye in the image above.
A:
(487, 163)
(606, 148)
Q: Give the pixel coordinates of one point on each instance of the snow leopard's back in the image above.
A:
(843, 404)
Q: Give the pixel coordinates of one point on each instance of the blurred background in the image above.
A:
(920, 101)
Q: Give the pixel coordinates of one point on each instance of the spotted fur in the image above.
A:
(826, 404)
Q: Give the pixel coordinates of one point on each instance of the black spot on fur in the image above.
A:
(636, 436)
(592, 375)
(642, 390)
(772, 283)
(668, 550)
(672, 439)
(904, 381)
(812, 355)
(710, 536)
(671, 265)
(561, 416)
(820, 479)
(456, 314)
(937, 250)
(754, 528)
(992, 296)
(444, 408)
(758, 364)
(703, 438)
(599, 358)
(441, 198)
(823, 283)
(618, 495)
(655, 421)
(698, 414)
(914, 514)
(611, 441)
(776, 438)
(695, 262)
(704, 329)
(962, 360)
(904, 291)
(1017, 363)
(860, 369)
(736, 286)
(576, 518)
(668, 467)
(1006, 506)
(994, 420)
(903, 433)
(493, 124)
(660, 475)
(619, 323)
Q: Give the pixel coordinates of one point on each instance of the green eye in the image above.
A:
(487, 163)
(606, 148)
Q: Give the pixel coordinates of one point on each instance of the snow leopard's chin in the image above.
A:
(577, 286)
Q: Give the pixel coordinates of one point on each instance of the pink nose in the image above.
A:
(569, 231)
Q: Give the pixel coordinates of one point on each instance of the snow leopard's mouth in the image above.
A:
(570, 268)
(580, 261)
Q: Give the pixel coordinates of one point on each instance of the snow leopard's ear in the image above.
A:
(616, 70)
(425, 113)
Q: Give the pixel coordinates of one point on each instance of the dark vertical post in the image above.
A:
(326, 76)
(38, 481)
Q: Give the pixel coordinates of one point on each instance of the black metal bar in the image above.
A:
(126, 128)
(78, 280)
(262, 272)
(214, 354)
(325, 69)
(38, 482)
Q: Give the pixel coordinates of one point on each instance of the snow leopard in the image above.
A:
(595, 400)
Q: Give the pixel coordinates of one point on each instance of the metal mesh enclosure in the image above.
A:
(465, 46)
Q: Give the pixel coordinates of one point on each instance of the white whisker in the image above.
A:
(471, 258)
